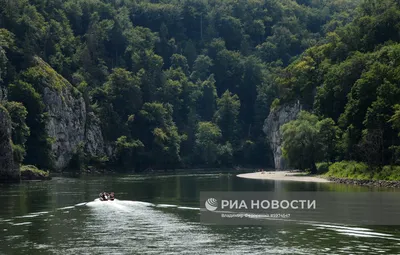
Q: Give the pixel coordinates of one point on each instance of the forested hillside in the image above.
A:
(350, 81)
(186, 83)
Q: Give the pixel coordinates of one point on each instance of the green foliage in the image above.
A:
(328, 136)
(395, 119)
(350, 170)
(201, 68)
(159, 135)
(301, 143)
(227, 114)
(6, 42)
(30, 172)
(308, 140)
(225, 154)
(207, 143)
(20, 131)
(123, 91)
(99, 162)
(43, 76)
(389, 173)
(127, 151)
(354, 72)
(38, 144)
(18, 114)
(275, 104)
(19, 153)
(152, 71)
(360, 171)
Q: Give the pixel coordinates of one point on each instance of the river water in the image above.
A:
(159, 214)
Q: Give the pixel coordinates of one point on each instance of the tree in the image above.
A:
(180, 61)
(301, 145)
(123, 92)
(38, 143)
(159, 134)
(6, 42)
(206, 145)
(20, 131)
(395, 121)
(328, 136)
(227, 114)
(18, 114)
(207, 101)
(127, 152)
(201, 68)
(371, 148)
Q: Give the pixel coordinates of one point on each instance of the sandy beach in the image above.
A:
(282, 176)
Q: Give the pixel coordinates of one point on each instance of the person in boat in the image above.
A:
(112, 196)
(103, 196)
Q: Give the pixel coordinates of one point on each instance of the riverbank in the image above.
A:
(283, 176)
(303, 177)
(33, 173)
(371, 183)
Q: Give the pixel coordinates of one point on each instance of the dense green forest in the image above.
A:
(187, 83)
(350, 82)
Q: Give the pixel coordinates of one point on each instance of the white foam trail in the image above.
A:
(188, 208)
(30, 215)
(341, 227)
(67, 207)
(166, 206)
(21, 224)
(27, 216)
(141, 203)
(119, 206)
(355, 231)
(368, 235)
(374, 234)
(81, 204)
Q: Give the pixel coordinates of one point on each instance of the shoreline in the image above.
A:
(283, 176)
(369, 183)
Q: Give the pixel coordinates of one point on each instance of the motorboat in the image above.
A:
(104, 196)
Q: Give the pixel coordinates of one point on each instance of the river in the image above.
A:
(159, 214)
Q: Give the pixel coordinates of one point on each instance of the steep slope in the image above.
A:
(276, 119)
(68, 122)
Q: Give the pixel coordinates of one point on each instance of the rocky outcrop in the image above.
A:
(9, 171)
(69, 123)
(374, 183)
(33, 173)
(66, 123)
(95, 144)
(272, 125)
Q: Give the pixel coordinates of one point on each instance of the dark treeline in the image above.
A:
(190, 82)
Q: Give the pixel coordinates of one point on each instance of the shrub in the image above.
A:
(389, 173)
(350, 170)
(275, 104)
(29, 172)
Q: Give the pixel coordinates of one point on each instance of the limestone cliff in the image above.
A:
(69, 122)
(272, 125)
(9, 171)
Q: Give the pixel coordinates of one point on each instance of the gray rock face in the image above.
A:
(66, 123)
(69, 122)
(9, 171)
(272, 125)
(95, 144)
(3, 94)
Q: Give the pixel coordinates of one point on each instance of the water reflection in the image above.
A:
(159, 214)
